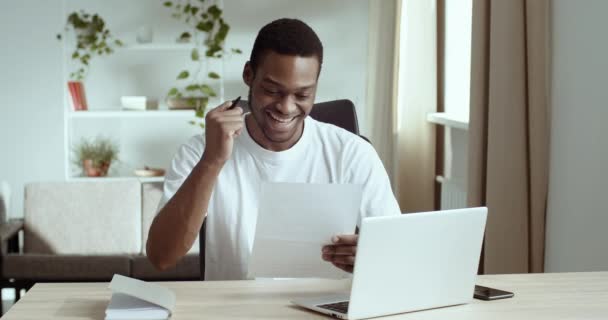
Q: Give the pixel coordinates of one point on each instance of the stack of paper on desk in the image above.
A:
(136, 299)
(294, 221)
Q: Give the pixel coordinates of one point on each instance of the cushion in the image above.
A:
(151, 195)
(90, 217)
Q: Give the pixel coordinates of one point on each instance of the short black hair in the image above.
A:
(289, 37)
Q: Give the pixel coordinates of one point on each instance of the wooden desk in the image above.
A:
(537, 296)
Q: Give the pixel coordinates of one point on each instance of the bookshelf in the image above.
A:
(145, 138)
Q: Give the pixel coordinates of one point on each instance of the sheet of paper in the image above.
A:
(294, 221)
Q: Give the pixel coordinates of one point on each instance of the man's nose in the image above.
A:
(287, 105)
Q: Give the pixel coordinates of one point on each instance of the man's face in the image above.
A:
(281, 94)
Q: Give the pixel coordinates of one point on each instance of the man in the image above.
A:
(218, 177)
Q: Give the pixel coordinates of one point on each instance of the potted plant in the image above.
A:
(92, 38)
(207, 32)
(94, 157)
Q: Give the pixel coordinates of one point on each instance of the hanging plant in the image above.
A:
(92, 38)
(208, 32)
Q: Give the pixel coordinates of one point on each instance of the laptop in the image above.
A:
(408, 263)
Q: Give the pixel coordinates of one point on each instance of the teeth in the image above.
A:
(279, 119)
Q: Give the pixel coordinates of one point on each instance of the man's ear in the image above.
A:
(248, 74)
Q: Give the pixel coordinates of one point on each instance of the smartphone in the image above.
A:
(485, 293)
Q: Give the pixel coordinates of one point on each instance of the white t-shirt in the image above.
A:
(324, 154)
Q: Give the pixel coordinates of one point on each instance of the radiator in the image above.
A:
(453, 194)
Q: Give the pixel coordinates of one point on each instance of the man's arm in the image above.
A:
(177, 225)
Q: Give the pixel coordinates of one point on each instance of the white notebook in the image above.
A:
(136, 299)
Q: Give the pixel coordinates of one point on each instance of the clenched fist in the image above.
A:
(222, 125)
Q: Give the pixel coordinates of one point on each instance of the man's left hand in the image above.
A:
(341, 253)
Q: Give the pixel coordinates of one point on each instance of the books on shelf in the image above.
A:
(136, 299)
(79, 101)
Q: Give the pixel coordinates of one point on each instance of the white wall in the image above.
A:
(31, 118)
(31, 84)
(577, 216)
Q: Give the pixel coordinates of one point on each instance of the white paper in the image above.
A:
(295, 220)
(136, 299)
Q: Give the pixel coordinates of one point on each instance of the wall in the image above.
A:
(31, 119)
(31, 84)
(577, 210)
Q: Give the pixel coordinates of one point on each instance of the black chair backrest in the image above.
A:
(341, 113)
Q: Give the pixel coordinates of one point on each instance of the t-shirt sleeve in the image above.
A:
(183, 162)
(363, 166)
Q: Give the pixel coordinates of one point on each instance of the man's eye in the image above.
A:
(301, 96)
(271, 92)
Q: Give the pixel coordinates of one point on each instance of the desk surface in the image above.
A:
(537, 296)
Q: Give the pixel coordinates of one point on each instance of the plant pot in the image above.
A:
(90, 170)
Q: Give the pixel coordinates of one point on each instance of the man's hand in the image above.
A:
(341, 253)
(221, 127)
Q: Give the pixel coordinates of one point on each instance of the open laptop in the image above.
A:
(410, 262)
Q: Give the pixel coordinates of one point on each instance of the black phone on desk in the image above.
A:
(485, 293)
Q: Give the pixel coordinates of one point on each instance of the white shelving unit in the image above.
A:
(146, 138)
(186, 114)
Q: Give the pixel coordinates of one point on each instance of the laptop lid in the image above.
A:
(416, 261)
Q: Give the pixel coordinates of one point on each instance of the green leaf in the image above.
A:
(168, 4)
(194, 10)
(208, 90)
(213, 48)
(185, 36)
(173, 92)
(183, 75)
(192, 87)
(191, 102)
(213, 75)
(221, 34)
(214, 11)
(200, 113)
(202, 125)
(205, 26)
(194, 55)
(118, 43)
(75, 55)
(237, 51)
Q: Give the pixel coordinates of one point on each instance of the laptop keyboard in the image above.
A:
(341, 307)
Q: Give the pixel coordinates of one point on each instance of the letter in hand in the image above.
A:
(341, 253)
(222, 125)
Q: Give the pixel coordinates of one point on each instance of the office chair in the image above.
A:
(341, 113)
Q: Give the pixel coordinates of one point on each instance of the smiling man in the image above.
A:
(218, 177)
